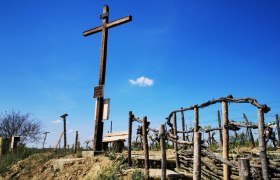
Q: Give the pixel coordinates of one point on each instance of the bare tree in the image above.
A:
(18, 124)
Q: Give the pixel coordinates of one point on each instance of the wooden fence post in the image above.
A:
(196, 119)
(111, 127)
(163, 152)
(176, 144)
(146, 148)
(76, 142)
(220, 125)
(226, 175)
(262, 145)
(209, 138)
(196, 153)
(278, 128)
(197, 156)
(1, 144)
(244, 168)
(130, 119)
(183, 125)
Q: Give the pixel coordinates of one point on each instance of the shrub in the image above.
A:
(137, 175)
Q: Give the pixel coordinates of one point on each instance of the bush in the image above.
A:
(10, 158)
(113, 172)
(137, 175)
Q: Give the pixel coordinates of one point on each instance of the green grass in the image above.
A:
(137, 175)
(8, 159)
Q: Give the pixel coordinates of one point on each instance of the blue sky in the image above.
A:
(191, 51)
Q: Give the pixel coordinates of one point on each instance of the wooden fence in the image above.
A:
(193, 160)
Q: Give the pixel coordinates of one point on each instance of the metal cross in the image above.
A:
(98, 131)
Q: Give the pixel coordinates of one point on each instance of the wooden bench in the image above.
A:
(117, 139)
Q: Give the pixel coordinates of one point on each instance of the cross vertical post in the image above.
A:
(98, 93)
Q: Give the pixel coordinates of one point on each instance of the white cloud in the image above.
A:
(70, 131)
(57, 121)
(142, 81)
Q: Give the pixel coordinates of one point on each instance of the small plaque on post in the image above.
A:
(14, 142)
(98, 91)
(106, 109)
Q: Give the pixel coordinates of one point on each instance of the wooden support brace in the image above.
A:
(197, 156)
(58, 142)
(220, 131)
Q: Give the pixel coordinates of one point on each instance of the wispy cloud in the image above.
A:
(56, 121)
(142, 81)
(70, 131)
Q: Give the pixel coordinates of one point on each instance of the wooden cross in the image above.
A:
(45, 133)
(98, 131)
(64, 129)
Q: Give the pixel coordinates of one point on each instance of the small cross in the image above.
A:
(45, 133)
(64, 129)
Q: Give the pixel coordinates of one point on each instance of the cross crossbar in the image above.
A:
(109, 25)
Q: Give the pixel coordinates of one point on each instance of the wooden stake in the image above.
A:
(262, 146)
(146, 148)
(250, 134)
(197, 156)
(220, 131)
(76, 142)
(130, 119)
(226, 175)
(278, 129)
(244, 168)
(176, 144)
(163, 152)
